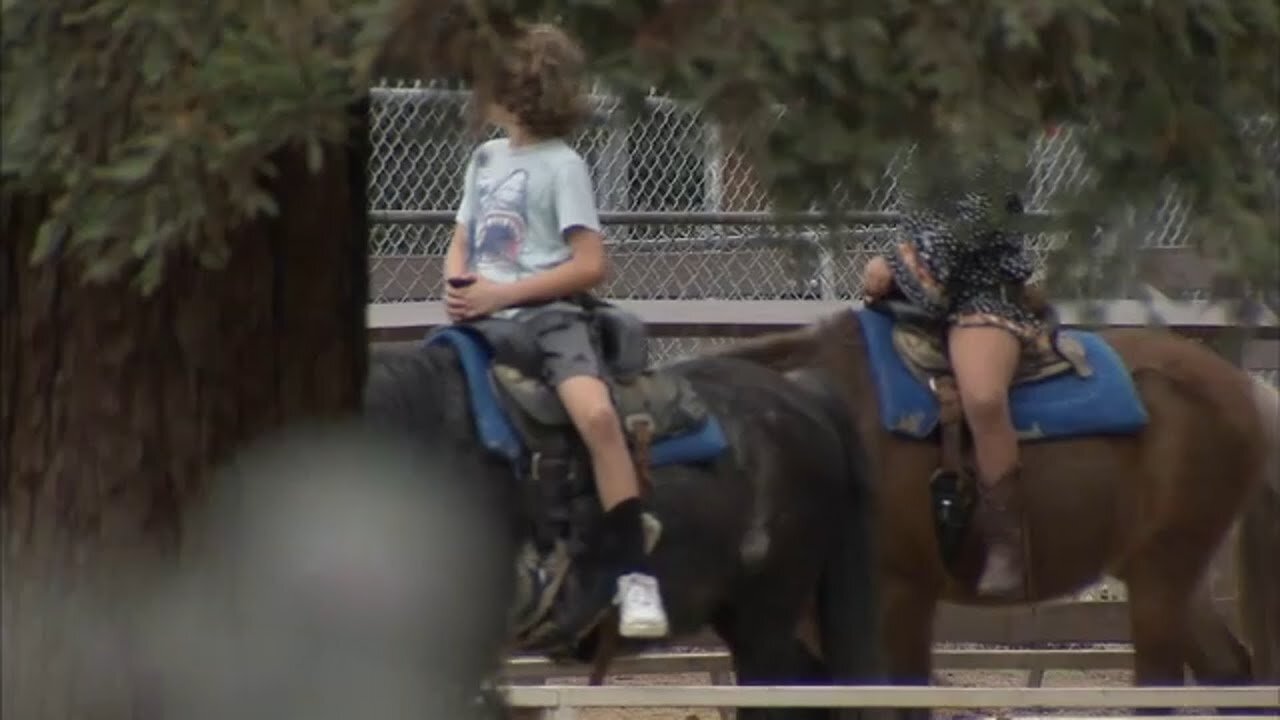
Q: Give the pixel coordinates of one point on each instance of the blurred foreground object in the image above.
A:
(334, 575)
(340, 575)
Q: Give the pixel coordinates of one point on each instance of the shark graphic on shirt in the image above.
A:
(502, 222)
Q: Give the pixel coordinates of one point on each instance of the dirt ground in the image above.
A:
(1011, 678)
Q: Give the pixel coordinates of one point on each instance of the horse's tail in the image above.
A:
(848, 591)
(1258, 546)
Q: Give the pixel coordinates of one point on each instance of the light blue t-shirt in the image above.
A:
(517, 203)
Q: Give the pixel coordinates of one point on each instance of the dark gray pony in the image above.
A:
(772, 532)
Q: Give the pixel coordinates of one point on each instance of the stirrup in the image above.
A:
(952, 502)
(941, 475)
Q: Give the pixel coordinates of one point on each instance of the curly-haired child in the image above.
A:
(528, 237)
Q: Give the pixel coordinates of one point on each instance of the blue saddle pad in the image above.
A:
(1062, 406)
(498, 434)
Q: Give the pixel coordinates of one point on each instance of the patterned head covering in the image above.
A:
(957, 254)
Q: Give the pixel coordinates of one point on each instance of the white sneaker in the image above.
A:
(642, 615)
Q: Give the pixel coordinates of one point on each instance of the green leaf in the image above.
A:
(262, 203)
(214, 254)
(129, 171)
(315, 155)
(152, 274)
(157, 61)
(48, 238)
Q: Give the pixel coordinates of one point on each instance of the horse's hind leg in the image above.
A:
(772, 656)
(1158, 625)
(1160, 584)
(1214, 654)
(907, 628)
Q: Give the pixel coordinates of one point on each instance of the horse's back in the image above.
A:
(1204, 452)
(1186, 384)
(784, 433)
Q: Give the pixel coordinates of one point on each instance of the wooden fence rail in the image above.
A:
(562, 702)
(525, 670)
(1068, 622)
(408, 320)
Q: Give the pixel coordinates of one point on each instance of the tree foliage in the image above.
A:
(149, 122)
(1160, 93)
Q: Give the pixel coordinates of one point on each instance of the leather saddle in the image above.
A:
(666, 402)
(920, 341)
(557, 606)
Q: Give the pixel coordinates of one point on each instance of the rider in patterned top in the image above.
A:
(959, 263)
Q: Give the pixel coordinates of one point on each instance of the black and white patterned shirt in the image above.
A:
(956, 257)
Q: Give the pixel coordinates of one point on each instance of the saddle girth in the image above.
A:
(640, 427)
(952, 487)
(951, 418)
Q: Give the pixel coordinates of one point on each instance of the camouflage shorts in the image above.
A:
(565, 337)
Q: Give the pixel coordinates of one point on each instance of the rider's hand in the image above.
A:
(877, 278)
(479, 299)
(454, 303)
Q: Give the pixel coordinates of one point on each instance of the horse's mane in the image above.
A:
(409, 388)
(802, 347)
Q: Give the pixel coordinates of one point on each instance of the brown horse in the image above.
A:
(1150, 507)
(1258, 536)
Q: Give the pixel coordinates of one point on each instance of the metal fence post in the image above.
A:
(826, 268)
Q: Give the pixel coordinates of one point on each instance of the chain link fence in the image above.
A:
(683, 209)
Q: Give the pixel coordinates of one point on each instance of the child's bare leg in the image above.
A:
(571, 366)
(985, 359)
(587, 401)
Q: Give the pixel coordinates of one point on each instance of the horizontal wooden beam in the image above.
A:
(664, 217)
(1047, 623)
(764, 315)
(1063, 622)
(573, 696)
(696, 217)
(537, 668)
(654, 313)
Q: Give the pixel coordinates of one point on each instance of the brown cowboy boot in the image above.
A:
(999, 518)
